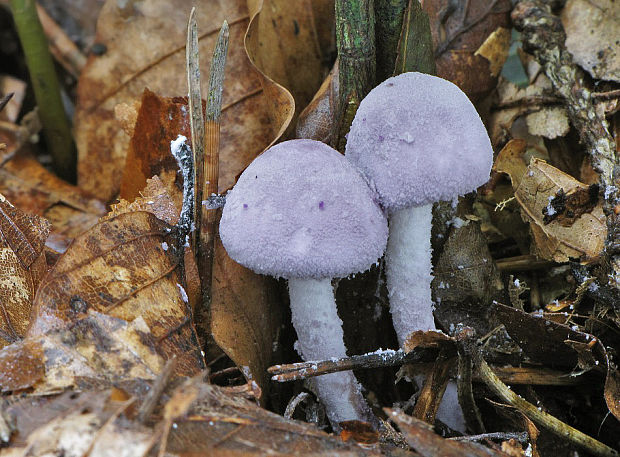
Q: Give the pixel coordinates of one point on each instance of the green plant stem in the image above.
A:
(355, 38)
(46, 88)
(388, 25)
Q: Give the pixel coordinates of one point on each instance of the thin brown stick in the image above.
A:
(152, 398)
(511, 375)
(210, 182)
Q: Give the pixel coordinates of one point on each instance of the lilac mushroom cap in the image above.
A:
(418, 139)
(301, 210)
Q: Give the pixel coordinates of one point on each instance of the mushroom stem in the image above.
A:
(408, 270)
(320, 336)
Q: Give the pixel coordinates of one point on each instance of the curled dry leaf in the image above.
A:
(284, 43)
(155, 31)
(434, 339)
(459, 29)
(22, 265)
(125, 267)
(589, 37)
(535, 189)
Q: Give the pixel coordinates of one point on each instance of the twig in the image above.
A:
(303, 370)
(46, 88)
(152, 398)
(522, 263)
(532, 100)
(209, 184)
(610, 95)
(540, 417)
(512, 375)
(522, 437)
(355, 38)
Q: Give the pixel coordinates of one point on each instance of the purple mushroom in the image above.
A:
(301, 211)
(418, 139)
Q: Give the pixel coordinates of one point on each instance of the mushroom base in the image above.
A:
(320, 337)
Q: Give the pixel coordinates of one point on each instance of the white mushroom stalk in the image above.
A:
(320, 337)
(408, 270)
(418, 139)
(302, 212)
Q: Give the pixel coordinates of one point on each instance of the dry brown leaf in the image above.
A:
(98, 347)
(583, 240)
(21, 365)
(428, 339)
(315, 121)
(31, 412)
(465, 279)
(289, 51)
(145, 48)
(125, 267)
(246, 314)
(510, 160)
(154, 198)
(159, 121)
(69, 435)
(457, 61)
(35, 190)
(22, 265)
(495, 49)
(590, 37)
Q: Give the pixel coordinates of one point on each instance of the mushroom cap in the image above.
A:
(418, 139)
(301, 210)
